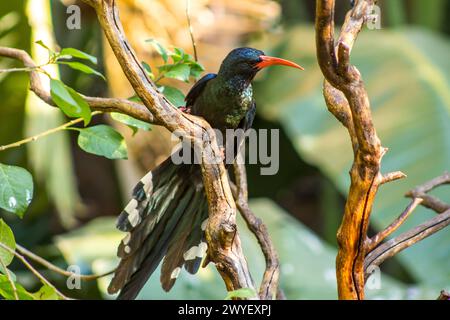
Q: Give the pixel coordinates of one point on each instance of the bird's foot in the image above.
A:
(185, 109)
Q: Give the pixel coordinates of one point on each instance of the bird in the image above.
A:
(167, 215)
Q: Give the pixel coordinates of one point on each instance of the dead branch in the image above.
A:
(269, 286)
(405, 240)
(355, 114)
(377, 253)
(224, 247)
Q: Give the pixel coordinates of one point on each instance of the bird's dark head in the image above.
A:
(246, 62)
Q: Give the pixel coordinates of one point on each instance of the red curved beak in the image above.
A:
(270, 61)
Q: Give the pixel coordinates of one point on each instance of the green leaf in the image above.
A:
(16, 189)
(7, 239)
(104, 141)
(78, 54)
(42, 44)
(70, 101)
(243, 293)
(7, 292)
(82, 67)
(175, 96)
(196, 70)
(130, 121)
(45, 293)
(176, 71)
(163, 52)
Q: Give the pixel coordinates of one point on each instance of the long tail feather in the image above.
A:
(165, 217)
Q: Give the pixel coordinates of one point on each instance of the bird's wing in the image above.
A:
(197, 89)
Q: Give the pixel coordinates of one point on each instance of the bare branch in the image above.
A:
(379, 237)
(57, 269)
(269, 286)
(430, 201)
(392, 176)
(405, 240)
(33, 270)
(354, 112)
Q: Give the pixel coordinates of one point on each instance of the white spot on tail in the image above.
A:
(147, 181)
(204, 223)
(175, 273)
(127, 238)
(133, 213)
(195, 252)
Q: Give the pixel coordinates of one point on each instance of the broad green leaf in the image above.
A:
(45, 293)
(70, 101)
(243, 293)
(7, 239)
(147, 68)
(163, 52)
(176, 71)
(408, 85)
(78, 54)
(130, 121)
(16, 189)
(104, 141)
(196, 70)
(175, 96)
(82, 67)
(7, 291)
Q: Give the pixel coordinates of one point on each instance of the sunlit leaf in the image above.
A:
(69, 101)
(175, 96)
(102, 140)
(243, 293)
(6, 239)
(176, 71)
(45, 293)
(130, 121)
(78, 54)
(16, 189)
(7, 291)
(159, 48)
(82, 67)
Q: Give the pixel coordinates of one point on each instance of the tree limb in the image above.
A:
(365, 172)
(269, 286)
(405, 240)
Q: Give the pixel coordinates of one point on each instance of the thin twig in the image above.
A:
(191, 29)
(34, 271)
(269, 285)
(379, 237)
(57, 269)
(10, 280)
(405, 240)
(45, 133)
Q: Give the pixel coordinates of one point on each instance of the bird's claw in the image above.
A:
(185, 109)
